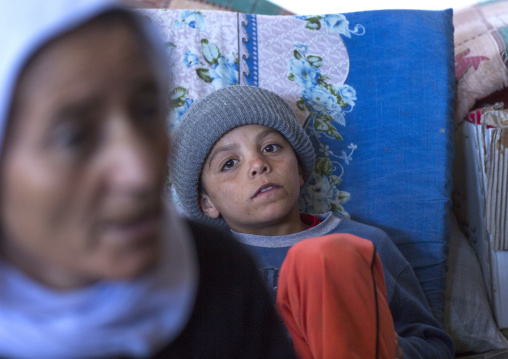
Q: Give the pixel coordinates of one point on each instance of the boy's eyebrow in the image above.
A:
(267, 132)
(233, 146)
(219, 150)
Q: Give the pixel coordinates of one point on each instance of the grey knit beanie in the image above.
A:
(210, 118)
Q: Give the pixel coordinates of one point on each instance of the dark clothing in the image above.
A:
(233, 316)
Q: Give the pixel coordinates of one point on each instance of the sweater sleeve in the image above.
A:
(420, 334)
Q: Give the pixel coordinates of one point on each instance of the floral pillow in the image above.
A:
(374, 91)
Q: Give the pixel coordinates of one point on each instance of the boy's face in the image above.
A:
(252, 178)
(84, 160)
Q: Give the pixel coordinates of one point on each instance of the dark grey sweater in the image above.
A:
(233, 316)
(420, 334)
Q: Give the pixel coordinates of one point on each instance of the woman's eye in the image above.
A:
(147, 111)
(271, 148)
(71, 136)
(228, 165)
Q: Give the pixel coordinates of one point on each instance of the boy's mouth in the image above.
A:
(265, 188)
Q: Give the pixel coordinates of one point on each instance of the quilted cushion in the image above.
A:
(374, 91)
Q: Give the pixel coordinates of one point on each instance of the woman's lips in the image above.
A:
(135, 229)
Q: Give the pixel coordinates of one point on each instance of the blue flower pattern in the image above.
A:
(190, 59)
(211, 66)
(335, 23)
(306, 75)
(193, 19)
(326, 105)
(224, 72)
(179, 103)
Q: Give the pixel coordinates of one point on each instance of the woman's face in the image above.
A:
(84, 161)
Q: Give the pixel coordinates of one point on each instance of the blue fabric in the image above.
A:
(375, 92)
(403, 73)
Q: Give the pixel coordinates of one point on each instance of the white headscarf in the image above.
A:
(135, 317)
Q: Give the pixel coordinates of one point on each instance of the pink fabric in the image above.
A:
(481, 36)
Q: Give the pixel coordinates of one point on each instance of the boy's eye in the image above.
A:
(229, 164)
(271, 148)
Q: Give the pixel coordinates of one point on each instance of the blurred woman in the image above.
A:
(92, 263)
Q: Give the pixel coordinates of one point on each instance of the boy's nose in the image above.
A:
(258, 166)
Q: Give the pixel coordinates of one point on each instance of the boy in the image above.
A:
(240, 159)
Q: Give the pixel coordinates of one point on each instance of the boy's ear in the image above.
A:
(207, 206)
(300, 174)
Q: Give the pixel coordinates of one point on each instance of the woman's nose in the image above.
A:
(133, 167)
(135, 161)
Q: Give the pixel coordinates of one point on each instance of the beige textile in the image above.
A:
(496, 213)
(185, 4)
(173, 4)
(481, 61)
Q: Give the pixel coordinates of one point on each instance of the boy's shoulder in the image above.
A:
(362, 230)
(385, 246)
(332, 224)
